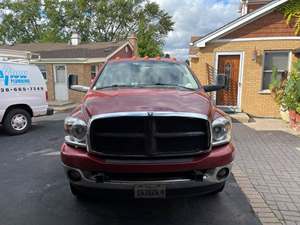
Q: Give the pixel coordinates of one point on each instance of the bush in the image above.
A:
(291, 95)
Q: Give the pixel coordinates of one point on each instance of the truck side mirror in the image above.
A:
(73, 84)
(220, 84)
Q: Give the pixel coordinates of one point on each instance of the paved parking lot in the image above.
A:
(270, 159)
(34, 191)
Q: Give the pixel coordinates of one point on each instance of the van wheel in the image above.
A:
(17, 121)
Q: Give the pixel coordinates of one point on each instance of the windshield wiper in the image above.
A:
(144, 85)
(115, 86)
(171, 85)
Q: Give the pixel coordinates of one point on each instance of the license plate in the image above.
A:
(150, 191)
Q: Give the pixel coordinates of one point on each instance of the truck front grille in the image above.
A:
(149, 135)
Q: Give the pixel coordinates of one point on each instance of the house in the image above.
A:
(246, 50)
(57, 60)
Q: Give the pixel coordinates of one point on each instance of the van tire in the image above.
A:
(14, 114)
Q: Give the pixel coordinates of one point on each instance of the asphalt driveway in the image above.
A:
(34, 190)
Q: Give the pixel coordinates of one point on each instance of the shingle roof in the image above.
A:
(64, 50)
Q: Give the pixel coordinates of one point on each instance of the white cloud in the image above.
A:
(195, 17)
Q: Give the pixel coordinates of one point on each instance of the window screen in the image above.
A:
(279, 60)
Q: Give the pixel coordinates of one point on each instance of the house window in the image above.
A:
(94, 69)
(279, 60)
(43, 70)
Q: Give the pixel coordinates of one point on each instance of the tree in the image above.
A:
(291, 11)
(95, 20)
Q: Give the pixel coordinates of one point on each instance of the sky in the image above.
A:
(195, 17)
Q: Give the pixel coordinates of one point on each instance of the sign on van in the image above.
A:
(10, 76)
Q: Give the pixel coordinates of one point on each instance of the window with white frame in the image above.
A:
(43, 70)
(278, 60)
(94, 69)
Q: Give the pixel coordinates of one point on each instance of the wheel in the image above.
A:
(220, 189)
(17, 121)
(79, 194)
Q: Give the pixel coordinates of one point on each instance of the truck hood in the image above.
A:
(130, 100)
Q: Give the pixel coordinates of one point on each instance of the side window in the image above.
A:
(279, 60)
(94, 69)
(43, 70)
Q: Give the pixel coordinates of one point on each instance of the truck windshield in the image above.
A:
(146, 74)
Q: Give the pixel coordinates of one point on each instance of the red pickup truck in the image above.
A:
(146, 128)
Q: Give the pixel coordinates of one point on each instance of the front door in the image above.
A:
(61, 86)
(229, 66)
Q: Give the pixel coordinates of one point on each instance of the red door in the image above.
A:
(229, 65)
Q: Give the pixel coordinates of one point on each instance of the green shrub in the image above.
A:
(291, 96)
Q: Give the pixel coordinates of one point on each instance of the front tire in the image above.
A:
(79, 194)
(219, 190)
(17, 121)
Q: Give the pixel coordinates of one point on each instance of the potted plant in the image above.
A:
(291, 96)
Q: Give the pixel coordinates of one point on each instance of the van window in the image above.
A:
(43, 70)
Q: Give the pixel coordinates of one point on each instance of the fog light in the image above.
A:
(222, 173)
(74, 175)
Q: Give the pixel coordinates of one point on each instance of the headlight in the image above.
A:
(221, 131)
(76, 130)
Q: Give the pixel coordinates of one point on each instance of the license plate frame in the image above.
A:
(147, 191)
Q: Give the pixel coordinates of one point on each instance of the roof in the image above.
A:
(241, 21)
(65, 50)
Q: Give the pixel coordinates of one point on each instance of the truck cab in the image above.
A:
(147, 129)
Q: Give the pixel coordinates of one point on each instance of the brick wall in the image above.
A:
(123, 53)
(253, 101)
(84, 78)
(253, 7)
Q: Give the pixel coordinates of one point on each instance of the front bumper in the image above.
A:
(79, 158)
(208, 164)
(209, 178)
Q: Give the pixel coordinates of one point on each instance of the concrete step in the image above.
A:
(62, 106)
(240, 118)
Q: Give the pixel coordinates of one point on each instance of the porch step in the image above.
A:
(228, 109)
(62, 106)
(240, 117)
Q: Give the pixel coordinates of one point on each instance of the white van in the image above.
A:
(23, 95)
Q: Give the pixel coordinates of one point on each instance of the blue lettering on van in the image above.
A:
(10, 76)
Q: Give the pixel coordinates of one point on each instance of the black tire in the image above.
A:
(10, 115)
(220, 189)
(78, 193)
